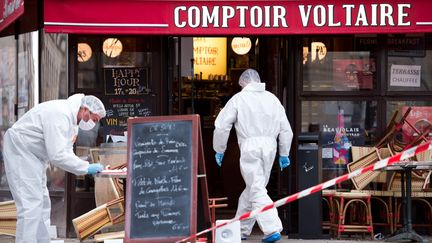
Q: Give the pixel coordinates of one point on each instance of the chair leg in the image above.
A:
(341, 218)
(369, 216)
(391, 217)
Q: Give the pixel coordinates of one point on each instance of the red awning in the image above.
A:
(10, 10)
(214, 17)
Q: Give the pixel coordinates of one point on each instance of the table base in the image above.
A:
(406, 235)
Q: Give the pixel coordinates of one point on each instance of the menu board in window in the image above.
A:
(127, 81)
(120, 108)
(164, 159)
(128, 93)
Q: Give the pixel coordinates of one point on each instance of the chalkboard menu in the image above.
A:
(162, 178)
(126, 81)
(128, 93)
(120, 108)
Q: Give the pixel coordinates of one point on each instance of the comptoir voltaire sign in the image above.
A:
(10, 10)
(277, 16)
(238, 17)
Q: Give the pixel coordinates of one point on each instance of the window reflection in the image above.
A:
(393, 106)
(339, 64)
(420, 117)
(117, 52)
(54, 78)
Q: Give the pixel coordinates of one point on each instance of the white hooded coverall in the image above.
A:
(45, 133)
(259, 119)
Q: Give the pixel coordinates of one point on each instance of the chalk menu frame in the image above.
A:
(175, 122)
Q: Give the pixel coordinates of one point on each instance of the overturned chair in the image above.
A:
(109, 197)
(102, 216)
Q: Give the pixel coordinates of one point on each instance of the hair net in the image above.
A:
(94, 105)
(249, 76)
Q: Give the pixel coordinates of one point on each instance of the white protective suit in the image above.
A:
(259, 119)
(45, 133)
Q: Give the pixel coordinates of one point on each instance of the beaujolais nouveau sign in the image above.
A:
(10, 10)
(240, 17)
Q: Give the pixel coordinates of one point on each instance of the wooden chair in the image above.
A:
(353, 213)
(91, 222)
(382, 203)
(381, 199)
(215, 203)
(329, 214)
(109, 195)
(107, 189)
(374, 155)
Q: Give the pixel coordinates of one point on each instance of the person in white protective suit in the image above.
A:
(44, 134)
(259, 120)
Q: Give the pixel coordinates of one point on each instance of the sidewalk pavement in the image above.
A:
(251, 239)
(285, 239)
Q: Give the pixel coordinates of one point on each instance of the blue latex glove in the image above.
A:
(284, 162)
(94, 168)
(219, 158)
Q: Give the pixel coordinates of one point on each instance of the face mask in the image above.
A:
(87, 125)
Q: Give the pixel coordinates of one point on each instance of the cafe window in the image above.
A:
(88, 52)
(339, 63)
(357, 118)
(341, 125)
(124, 72)
(108, 52)
(409, 62)
(210, 69)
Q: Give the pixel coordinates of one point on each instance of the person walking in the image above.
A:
(44, 134)
(260, 121)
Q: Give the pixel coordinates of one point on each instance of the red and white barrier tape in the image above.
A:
(306, 192)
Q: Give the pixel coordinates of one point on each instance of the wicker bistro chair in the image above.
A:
(358, 202)
(352, 213)
(362, 157)
(91, 222)
(381, 199)
(328, 209)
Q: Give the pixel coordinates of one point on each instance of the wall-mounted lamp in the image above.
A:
(84, 52)
(241, 45)
(112, 47)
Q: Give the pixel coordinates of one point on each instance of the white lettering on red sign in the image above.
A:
(324, 15)
(220, 16)
(10, 7)
(360, 15)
